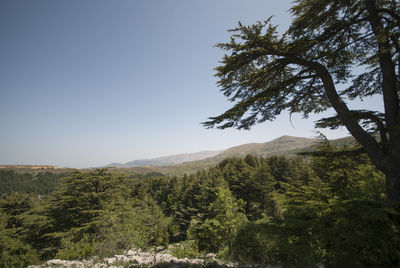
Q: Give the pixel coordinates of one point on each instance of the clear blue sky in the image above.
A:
(86, 83)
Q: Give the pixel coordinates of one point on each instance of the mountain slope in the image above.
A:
(167, 160)
(281, 146)
(285, 145)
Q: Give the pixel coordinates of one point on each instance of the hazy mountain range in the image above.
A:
(193, 162)
(285, 145)
(167, 160)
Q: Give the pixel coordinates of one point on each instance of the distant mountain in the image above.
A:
(118, 165)
(168, 160)
(285, 145)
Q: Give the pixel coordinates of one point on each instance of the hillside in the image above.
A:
(167, 160)
(285, 145)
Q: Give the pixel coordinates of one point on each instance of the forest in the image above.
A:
(327, 207)
(332, 207)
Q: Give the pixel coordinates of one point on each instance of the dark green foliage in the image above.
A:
(224, 218)
(13, 251)
(93, 213)
(81, 200)
(348, 172)
(16, 206)
(41, 183)
(70, 250)
(359, 233)
(255, 183)
(185, 249)
(338, 218)
(340, 234)
(24, 216)
(258, 243)
(327, 208)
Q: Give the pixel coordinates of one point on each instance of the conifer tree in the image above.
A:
(219, 228)
(265, 73)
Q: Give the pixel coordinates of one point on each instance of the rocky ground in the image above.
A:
(138, 258)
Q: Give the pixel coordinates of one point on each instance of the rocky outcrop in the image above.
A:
(132, 258)
(136, 258)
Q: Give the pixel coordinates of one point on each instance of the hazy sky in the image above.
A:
(88, 82)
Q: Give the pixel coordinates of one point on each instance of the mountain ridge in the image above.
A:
(285, 145)
(167, 160)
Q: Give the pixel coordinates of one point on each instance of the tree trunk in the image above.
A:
(393, 182)
(386, 160)
(393, 188)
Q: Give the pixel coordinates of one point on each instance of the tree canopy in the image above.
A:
(297, 211)
(265, 73)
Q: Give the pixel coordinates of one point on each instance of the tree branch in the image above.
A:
(390, 86)
(369, 143)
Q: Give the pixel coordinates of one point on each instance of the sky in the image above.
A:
(84, 83)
